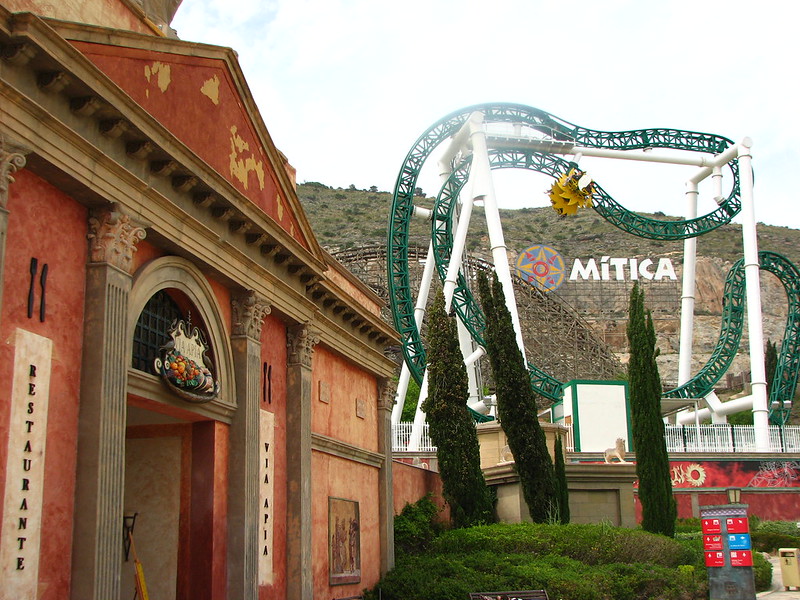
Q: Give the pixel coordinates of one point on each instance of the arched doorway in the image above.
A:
(176, 448)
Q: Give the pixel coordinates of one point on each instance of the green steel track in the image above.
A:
(551, 164)
(784, 381)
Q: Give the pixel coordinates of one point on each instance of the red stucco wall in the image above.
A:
(46, 224)
(410, 483)
(339, 478)
(182, 91)
(350, 387)
(273, 353)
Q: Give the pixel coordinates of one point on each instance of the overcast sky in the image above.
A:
(345, 87)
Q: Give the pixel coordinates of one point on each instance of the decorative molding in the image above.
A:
(328, 445)
(113, 238)
(140, 149)
(249, 310)
(114, 128)
(300, 340)
(387, 391)
(53, 81)
(19, 54)
(11, 160)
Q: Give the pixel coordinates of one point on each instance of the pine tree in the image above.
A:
(562, 490)
(516, 405)
(451, 427)
(652, 462)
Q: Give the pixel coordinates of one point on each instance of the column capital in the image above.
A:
(113, 237)
(12, 159)
(387, 389)
(249, 310)
(300, 340)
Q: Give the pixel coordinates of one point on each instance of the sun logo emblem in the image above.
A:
(541, 267)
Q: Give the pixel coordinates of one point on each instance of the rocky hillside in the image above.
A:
(346, 218)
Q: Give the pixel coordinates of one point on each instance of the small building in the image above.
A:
(187, 378)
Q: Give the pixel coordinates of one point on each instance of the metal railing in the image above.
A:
(680, 438)
(401, 434)
(723, 437)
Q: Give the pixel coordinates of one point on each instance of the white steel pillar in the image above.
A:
(482, 186)
(688, 294)
(753, 285)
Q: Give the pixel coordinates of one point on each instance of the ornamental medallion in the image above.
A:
(184, 364)
(542, 267)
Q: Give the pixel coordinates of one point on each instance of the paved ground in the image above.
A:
(777, 592)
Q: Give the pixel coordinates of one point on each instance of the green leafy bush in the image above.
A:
(782, 527)
(762, 572)
(416, 526)
(571, 562)
(767, 541)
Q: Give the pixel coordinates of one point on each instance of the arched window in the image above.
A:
(150, 334)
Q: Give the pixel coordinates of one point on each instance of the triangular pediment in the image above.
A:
(199, 94)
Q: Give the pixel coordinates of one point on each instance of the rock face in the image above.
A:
(606, 309)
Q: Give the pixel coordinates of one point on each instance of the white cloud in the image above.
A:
(346, 86)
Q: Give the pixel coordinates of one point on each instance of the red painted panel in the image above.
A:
(197, 100)
(735, 473)
(715, 559)
(736, 525)
(712, 542)
(60, 243)
(711, 525)
(741, 558)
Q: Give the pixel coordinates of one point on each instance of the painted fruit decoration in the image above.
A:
(184, 365)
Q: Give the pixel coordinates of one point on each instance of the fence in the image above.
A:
(722, 437)
(719, 437)
(401, 434)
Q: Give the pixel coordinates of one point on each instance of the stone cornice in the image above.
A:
(328, 445)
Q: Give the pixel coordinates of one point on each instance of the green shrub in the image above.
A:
(762, 572)
(591, 544)
(416, 526)
(782, 527)
(767, 541)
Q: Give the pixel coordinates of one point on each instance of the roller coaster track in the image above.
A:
(560, 133)
(784, 381)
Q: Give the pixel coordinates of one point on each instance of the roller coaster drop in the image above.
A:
(537, 142)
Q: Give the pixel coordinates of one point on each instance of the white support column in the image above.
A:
(419, 315)
(688, 293)
(419, 417)
(482, 186)
(753, 284)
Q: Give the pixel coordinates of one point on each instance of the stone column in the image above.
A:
(301, 341)
(100, 483)
(11, 160)
(386, 392)
(249, 311)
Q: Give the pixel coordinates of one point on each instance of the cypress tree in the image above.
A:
(652, 461)
(516, 405)
(450, 425)
(562, 491)
(770, 363)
